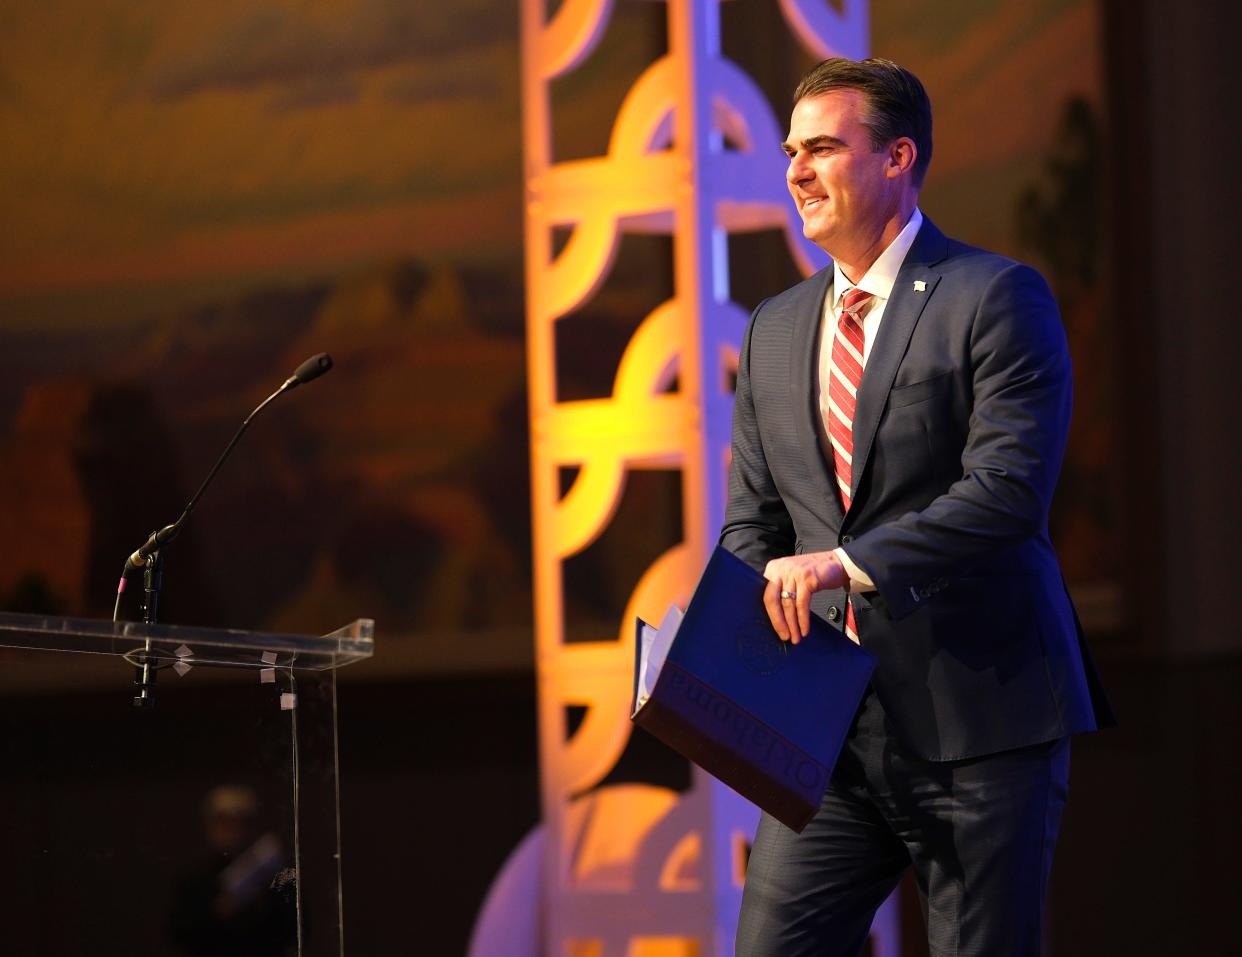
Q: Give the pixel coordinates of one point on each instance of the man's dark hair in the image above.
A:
(897, 104)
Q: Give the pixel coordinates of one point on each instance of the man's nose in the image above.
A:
(798, 171)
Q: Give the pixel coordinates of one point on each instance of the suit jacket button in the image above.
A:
(834, 613)
(846, 539)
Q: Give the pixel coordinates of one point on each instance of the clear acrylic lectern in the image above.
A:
(207, 824)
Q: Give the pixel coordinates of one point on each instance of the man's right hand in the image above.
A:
(791, 582)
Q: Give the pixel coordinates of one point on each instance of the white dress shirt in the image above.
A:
(878, 281)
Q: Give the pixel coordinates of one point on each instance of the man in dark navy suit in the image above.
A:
(900, 421)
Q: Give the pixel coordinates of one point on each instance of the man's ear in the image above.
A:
(901, 156)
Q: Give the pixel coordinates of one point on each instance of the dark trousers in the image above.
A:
(979, 833)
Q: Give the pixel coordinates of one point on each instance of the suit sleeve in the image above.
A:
(757, 527)
(1020, 383)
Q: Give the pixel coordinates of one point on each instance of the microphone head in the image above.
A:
(312, 368)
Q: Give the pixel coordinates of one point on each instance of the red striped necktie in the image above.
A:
(847, 370)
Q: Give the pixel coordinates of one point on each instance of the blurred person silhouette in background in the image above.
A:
(239, 901)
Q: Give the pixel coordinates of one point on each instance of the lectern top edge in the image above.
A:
(343, 646)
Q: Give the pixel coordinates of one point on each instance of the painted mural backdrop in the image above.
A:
(195, 197)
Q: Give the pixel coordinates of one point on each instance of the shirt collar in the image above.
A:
(882, 276)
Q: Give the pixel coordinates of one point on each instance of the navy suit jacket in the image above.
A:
(959, 432)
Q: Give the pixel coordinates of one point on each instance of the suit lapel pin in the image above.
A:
(920, 286)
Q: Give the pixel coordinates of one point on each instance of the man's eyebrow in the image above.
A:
(823, 139)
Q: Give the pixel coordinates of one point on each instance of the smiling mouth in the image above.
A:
(813, 201)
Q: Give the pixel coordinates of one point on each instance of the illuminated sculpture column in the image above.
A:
(631, 870)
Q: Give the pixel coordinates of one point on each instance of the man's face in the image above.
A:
(844, 191)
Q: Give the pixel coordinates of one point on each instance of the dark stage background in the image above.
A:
(195, 197)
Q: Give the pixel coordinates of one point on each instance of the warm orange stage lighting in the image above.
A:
(638, 871)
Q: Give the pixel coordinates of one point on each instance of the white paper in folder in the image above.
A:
(655, 646)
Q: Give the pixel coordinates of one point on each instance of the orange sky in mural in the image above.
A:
(151, 140)
(999, 75)
(1049, 56)
(146, 142)
(436, 227)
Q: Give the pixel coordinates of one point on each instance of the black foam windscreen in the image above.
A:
(313, 368)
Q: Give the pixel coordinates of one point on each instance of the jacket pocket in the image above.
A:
(920, 391)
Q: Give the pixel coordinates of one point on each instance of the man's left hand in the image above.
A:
(799, 576)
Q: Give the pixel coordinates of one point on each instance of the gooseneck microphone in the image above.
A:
(312, 368)
(147, 555)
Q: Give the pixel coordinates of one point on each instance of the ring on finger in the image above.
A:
(788, 595)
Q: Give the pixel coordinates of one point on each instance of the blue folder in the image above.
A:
(766, 717)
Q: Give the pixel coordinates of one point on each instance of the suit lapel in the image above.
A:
(806, 317)
(901, 314)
